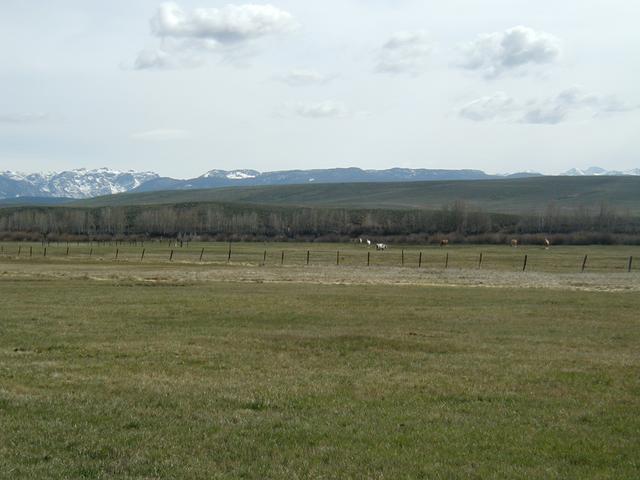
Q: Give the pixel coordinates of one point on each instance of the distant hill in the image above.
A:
(519, 195)
(35, 201)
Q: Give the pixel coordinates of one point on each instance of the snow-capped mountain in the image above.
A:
(79, 183)
(600, 172)
(84, 183)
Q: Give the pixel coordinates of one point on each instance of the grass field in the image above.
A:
(560, 259)
(156, 369)
(525, 195)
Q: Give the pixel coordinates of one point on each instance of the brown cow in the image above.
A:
(514, 243)
(444, 242)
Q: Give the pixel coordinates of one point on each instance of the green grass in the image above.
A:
(558, 259)
(514, 196)
(238, 380)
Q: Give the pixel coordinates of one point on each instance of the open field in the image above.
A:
(515, 196)
(214, 369)
(559, 259)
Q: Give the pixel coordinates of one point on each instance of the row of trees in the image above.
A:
(273, 222)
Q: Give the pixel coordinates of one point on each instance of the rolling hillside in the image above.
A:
(524, 195)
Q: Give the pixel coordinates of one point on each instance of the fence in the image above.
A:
(565, 259)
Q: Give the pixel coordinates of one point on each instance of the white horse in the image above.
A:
(381, 246)
(369, 243)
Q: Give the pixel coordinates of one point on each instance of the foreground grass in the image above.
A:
(232, 380)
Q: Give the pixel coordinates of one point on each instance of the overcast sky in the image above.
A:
(184, 87)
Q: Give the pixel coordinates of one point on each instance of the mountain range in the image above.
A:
(83, 183)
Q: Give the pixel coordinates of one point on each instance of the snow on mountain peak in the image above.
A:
(80, 183)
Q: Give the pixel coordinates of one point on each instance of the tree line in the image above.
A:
(458, 220)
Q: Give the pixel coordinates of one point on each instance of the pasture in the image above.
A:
(245, 368)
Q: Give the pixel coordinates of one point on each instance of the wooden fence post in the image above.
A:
(338, 257)
(171, 256)
(524, 266)
(446, 261)
(480, 261)
(229, 256)
(117, 252)
(142, 256)
(368, 259)
(402, 261)
(201, 254)
(282, 259)
(19, 249)
(30, 251)
(45, 252)
(584, 262)
(630, 263)
(308, 253)
(67, 251)
(90, 252)
(264, 258)
(420, 260)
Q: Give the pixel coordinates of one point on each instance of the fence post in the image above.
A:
(264, 258)
(282, 259)
(31, 251)
(45, 252)
(630, 263)
(584, 263)
(201, 254)
(308, 253)
(171, 256)
(117, 252)
(446, 261)
(90, 252)
(420, 260)
(229, 256)
(19, 249)
(368, 259)
(402, 261)
(480, 261)
(67, 251)
(142, 256)
(338, 257)
(524, 266)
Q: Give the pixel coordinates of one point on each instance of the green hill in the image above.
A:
(502, 196)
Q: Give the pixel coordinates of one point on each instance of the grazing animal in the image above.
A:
(381, 246)
(547, 243)
(444, 242)
(369, 243)
(514, 243)
(360, 240)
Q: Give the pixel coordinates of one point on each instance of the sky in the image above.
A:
(181, 88)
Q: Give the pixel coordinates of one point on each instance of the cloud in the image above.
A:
(187, 36)
(304, 78)
(498, 105)
(550, 111)
(162, 135)
(230, 24)
(318, 110)
(404, 52)
(17, 118)
(499, 52)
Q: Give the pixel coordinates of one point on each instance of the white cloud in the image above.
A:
(162, 135)
(303, 78)
(23, 117)
(498, 52)
(498, 105)
(569, 103)
(228, 32)
(404, 52)
(326, 109)
(230, 24)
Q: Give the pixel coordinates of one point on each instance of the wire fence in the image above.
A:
(566, 259)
